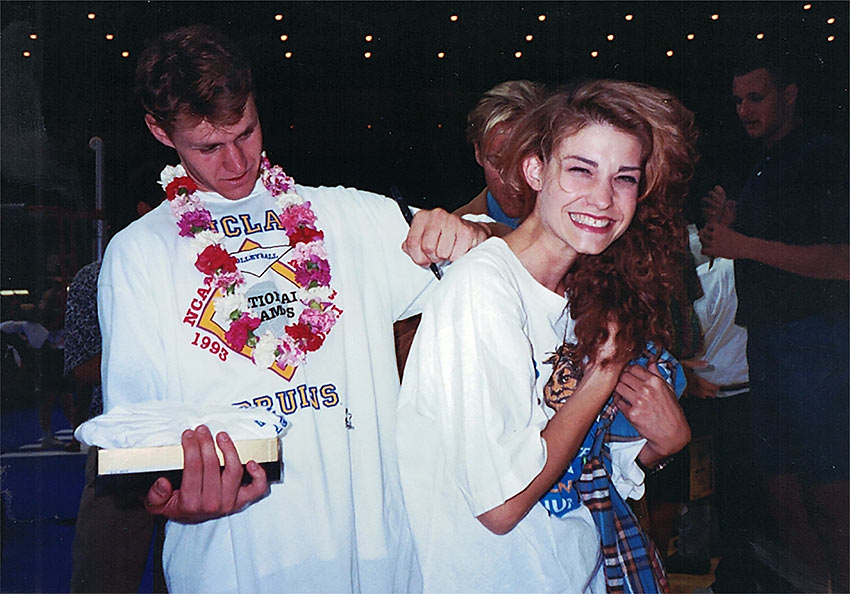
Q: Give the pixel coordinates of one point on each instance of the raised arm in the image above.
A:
(563, 435)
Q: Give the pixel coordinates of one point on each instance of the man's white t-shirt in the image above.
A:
(336, 521)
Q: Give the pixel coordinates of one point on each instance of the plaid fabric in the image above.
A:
(631, 562)
(626, 551)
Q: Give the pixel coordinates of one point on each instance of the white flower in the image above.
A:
(322, 294)
(228, 303)
(169, 173)
(204, 238)
(286, 200)
(264, 351)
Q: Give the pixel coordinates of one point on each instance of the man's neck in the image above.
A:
(792, 124)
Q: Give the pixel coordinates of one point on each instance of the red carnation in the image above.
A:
(214, 258)
(305, 235)
(304, 336)
(241, 329)
(180, 185)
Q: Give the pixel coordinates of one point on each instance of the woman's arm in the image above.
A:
(563, 435)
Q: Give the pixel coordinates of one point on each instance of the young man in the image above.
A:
(312, 289)
(489, 125)
(788, 232)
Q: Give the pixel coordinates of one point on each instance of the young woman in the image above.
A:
(490, 448)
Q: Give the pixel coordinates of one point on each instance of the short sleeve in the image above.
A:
(472, 373)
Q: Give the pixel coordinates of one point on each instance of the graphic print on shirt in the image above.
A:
(270, 288)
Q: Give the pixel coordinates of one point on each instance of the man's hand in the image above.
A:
(650, 404)
(721, 242)
(698, 387)
(717, 208)
(206, 491)
(437, 236)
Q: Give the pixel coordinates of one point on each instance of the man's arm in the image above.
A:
(822, 261)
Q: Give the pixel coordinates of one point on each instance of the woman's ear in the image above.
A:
(532, 170)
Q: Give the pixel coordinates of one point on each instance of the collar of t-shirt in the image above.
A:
(497, 214)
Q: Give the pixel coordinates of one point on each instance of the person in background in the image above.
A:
(112, 536)
(788, 234)
(489, 126)
(509, 478)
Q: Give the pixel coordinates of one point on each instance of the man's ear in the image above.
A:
(478, 158)
(158, 132)
(789, 95)
(532, 170)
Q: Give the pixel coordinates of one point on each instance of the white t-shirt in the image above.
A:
(725, 343)
(470, 416)
(336, 521)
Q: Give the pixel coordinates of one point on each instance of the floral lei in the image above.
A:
(309, 260)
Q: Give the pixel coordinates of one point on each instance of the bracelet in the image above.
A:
(657, 467)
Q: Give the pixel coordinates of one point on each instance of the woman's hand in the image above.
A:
(650, 404)
(207, 491)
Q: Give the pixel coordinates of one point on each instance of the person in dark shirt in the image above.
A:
(788, 232)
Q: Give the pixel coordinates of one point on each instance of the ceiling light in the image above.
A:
(529, 37)
(287, 55)
(831, 38)
(125, 54)
(629, 17)
(110, 36)
(284, 37)
(829, 21)
(759, 35)
(27, 54)
(807, 6)
(91, 16)
(367, 55)
(33, 36)
(669, 53)
(368, 38)
(517, 55)
(541, 17)
(715, 16)
(278, 17)
(441, 55)
(691, 36)
(453, 18)
(594, 54)
(610, 37)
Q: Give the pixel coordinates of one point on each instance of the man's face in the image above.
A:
(222, 159)
(766, 111)
(487, 155)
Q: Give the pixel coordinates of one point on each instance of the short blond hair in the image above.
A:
(505, 102)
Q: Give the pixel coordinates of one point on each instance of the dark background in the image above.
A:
(330, 116)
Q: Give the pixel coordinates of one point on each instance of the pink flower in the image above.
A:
(290, 353)
(275, 180)
(241, 329)
(297, 215)
(194, 221)
(315, 270)
(320, 321)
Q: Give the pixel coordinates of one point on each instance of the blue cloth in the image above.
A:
(631, 562)
(497, 214)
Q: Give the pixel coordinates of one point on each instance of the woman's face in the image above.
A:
(587, 192)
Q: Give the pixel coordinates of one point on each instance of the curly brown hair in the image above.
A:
(632, 282)
(191, 74)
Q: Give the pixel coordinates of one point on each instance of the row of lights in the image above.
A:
(454, 18)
